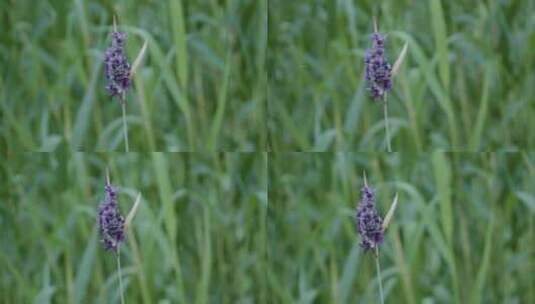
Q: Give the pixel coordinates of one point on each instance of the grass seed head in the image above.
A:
(378, 70)
(368, 221)
(116, 66)
(110, 220)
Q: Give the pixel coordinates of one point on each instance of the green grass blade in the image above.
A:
(444, 249)
(164, 188)
(85, 269)
(221, 104)
(171, 83)
(433, 83)
(475, 140)
(81, 124)
(206, 258)
(442, 172)
(348, 275)
(441, 41)
(482, 274)
(82, 19)
(180, 39)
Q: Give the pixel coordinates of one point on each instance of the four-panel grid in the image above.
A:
(267, 151)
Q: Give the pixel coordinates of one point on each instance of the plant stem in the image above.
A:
(120, 276)
(385, 106)
(125, 129)
(379, 275)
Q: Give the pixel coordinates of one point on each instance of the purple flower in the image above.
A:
(110, 221)
(378, 70)
(369, 223)
(116, 66)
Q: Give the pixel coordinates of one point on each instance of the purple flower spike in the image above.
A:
(378, 70)
(116, 66)
(110, 221)
(369, 223)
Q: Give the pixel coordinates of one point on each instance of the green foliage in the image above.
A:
(201, 85)
(314, 254)
(245, 90)
(466, 83)
(199, 235)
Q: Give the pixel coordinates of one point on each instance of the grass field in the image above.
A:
(466, 83)
(266, 106)
(200, 226)
(462, 233)
(269, 228)
(202, 85)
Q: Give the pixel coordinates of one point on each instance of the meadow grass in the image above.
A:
(465, 85)
(271, 77)
(201, 224)
(202, 85)
(461, 232)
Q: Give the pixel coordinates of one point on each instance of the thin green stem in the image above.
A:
(120, 275)
(387, 130)
(125, 129)
(379, 275)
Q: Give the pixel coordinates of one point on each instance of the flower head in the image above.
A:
(378, 70)
(110, 221)
(369, 223)
(116, 66)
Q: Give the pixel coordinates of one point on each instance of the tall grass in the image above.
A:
(246, 90)
(200, 225)
(461, 233)
(201, 87)
(465, 84)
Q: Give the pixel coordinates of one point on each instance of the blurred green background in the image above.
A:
(467, 82)
(200, 235)
(259, 75)
(202, 85)
(463, 230)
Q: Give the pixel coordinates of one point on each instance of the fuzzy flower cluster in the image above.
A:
(110, 221)
(369, 223)
(378, 70)
(116, 66)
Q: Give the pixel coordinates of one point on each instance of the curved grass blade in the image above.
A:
(390, 213)
(139, 58)
(132, 212)
(400, 59)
